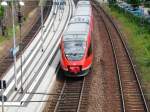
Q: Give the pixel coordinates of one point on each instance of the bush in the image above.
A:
(111, 1)
(149, 12)
(136, 19)
(1, 11)
(147, 4)
(134, 3)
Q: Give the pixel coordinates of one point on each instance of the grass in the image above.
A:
(138, 39)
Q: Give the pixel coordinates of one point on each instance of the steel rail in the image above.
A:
(26, 39)
(60, 98)
(68, 18)
(32, 61)
(56, 41)
(116, 63)
(45, 59)
(63, 92)
(81, 95)
(8, 83)
(130, 60)
(117, 66)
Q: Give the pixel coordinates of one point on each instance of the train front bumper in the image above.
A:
(79, 74)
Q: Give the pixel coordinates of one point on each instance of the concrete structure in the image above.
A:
(39, 68)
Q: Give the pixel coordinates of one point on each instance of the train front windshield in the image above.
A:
(74, 50)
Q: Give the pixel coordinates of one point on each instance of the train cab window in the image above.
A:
(89, 50)
(74, 50)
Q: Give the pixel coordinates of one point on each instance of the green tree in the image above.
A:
(134, 3)
(1, 19)
(147, 3)
(1, 11)
(111, 1)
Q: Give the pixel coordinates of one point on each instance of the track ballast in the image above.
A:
(132, 98)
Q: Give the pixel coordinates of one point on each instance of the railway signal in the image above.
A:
(4, 3)
(2, 97)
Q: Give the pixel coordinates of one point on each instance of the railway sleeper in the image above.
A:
(70, 95)
(137, 102)
(66, 111)
(68, 107)
(136, 106)
(130, 83)
(131, 91)
(137, 109)
(69, 101)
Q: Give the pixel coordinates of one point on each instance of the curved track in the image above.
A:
(31, 56)
(39, 66)
(6, 61)
(132, 98)
(38, 63)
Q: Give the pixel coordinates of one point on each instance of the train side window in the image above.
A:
(89, 50)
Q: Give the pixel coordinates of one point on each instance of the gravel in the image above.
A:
(103, 95)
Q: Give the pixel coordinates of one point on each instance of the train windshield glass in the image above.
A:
(74, 50)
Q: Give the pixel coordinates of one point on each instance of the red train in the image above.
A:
(76, 44)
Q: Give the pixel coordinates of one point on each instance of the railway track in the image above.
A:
(70, 96)
(36, 50)
(37, 26)
(6, 61)
(38, 65)
(132, 98)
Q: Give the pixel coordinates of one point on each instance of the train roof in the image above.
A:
(77, 29)
(83, 11)
(74, 37)
(83, 3)
(80, 19)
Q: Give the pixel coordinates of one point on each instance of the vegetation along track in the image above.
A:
(132, 98)
(6, 61)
